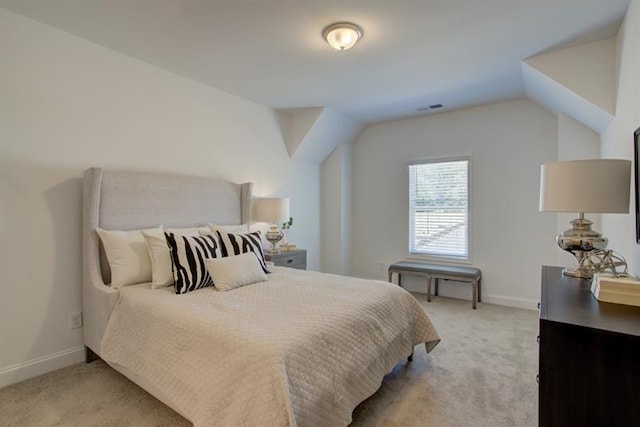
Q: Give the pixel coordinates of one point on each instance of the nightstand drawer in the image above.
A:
(293, 259)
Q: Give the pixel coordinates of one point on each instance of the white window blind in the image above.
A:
(439, 208)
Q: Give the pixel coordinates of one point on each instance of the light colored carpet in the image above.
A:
(481, 374)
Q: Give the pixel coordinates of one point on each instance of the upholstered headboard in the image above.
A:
(123, 200)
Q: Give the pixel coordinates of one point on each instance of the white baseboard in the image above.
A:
(417, 285)
(32, 368)
(529, 304)
(465, 294)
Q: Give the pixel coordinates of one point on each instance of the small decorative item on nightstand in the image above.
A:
(296, 258)
(284, 245)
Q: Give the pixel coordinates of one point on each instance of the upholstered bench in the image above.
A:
(434, 272)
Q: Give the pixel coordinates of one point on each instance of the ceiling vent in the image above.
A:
(430, 107)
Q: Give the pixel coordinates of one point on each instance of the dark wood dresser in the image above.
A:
(589, 360)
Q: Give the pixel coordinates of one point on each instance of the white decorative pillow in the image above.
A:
(234, 271)
(128, 256)
(238, 229)
(160, 255)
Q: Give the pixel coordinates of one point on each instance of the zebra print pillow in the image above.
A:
(235, 244)
(187, 255)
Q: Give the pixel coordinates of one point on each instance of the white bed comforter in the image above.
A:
(301, 349)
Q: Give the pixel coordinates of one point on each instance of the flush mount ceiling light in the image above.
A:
(342, 35)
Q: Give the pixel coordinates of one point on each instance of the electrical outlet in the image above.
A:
(75, 320)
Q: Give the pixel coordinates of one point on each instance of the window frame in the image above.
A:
(430, 256)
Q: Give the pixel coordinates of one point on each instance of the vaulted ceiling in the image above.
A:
(413, 53)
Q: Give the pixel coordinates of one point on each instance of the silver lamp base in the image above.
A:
(274, 235)
(588, 247)
(580, 240)
(579, 270)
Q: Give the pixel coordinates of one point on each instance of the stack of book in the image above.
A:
(287, 247)
(618, 290)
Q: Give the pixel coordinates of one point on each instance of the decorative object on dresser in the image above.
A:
(272, 210)
(588, 356)
(592, 186)
(435, 272)
(294, 259)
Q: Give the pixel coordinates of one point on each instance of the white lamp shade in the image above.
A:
(274, 210)
(586, 186)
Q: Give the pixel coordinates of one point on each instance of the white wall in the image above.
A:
(617, 139)
(347, 208)
(510, 238)
(68, 104)
(336, 211)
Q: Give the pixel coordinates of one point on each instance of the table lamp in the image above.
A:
(584, 186)
(274, 211)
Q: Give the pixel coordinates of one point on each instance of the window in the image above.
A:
(439, 208)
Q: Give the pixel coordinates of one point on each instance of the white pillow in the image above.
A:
(189, 231)
(128, 256)
(161, 270)
(262, 227)
(234, 271)
(161, 273)
(236, 229)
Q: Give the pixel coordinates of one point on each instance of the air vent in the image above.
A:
(429, 107)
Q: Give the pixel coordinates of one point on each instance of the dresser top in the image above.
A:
(569, 300)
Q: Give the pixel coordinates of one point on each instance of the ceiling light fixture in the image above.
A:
(342, 35)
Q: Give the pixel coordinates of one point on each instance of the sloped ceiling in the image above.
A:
(413, 54)
(579, 81)
(311, 134)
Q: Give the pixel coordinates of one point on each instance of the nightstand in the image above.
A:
(293, 259)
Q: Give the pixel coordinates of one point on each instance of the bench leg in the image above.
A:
(480, 289)
(437, 283)
(400, 279)
(391, 276)
(474, 285)
(428, 289)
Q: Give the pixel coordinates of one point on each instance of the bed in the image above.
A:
(299, 349)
